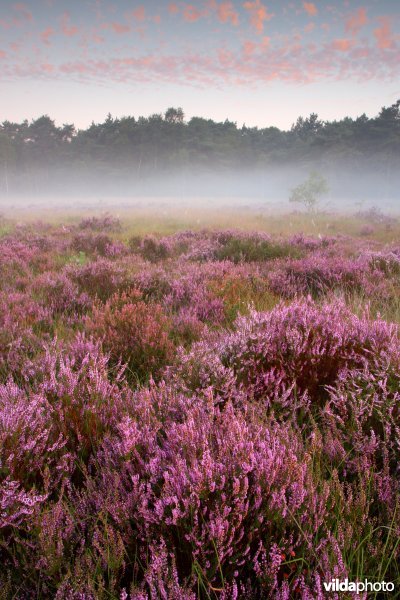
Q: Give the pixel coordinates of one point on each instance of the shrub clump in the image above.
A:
(133, 332)
(301, 344)
(100, 278)
(105, 222)
(91, 243)
(251, 249)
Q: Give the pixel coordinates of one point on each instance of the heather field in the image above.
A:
(205, 413)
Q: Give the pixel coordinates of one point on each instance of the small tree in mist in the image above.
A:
(310, 191)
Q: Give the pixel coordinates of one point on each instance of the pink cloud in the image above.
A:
(67, 29)
(46, 35)
(2, 54)
(23, 10)
(139, 14)
(120, 28)
(342, 45)
(258, 14)
(383, 34)
(191, 14)
(98, 39)
(289, 58)
(173, 8)
(356, 21)
(309, 27)
(24, 15)
(310, 8)
(249, 48)
(266, 42)
(47, 67)
(75, 67)
(293, 63)
(225, 57)
(226, 13)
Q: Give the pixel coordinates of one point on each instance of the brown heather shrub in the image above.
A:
(133, 332)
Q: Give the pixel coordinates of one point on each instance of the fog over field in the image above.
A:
(172, 162)
(267, 190)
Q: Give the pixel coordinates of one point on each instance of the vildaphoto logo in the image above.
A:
(335, 585)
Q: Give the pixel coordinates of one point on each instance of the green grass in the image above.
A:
(162, 219)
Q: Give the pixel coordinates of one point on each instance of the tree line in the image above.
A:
(34, 154)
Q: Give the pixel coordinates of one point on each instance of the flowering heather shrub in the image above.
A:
(263, 462)
(366, 230)
(200, 370)
(186, 326)
(21, 254)
(300, 344)
(154, 249)
(105, 222)
(16, 346)
(15, 259)
(248, 248)
(24, 324)
(191, 286)
(100, 278)
(186, 241)
(31, 445)
(235, 246)
(240, 291)
(21, 310)
(115, 250)
(318, 274)
(161, 578)
(199, 483)
(203, 250)
(386, 261)
(309, 344)
(193, 245)
(75, 382)
(227, 235)
(185, 293)
(16, 505)
(60, 295)
(154, 281)
(91, 243)
(303, 242)
(133, 332)
(363, 411)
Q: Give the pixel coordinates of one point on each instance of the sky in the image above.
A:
(254, 62)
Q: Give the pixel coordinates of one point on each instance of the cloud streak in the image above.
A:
(384, 37)
(134, 46)
(356, 21)
(226, 12)
(46, 35)
(258, 14)
(310, 8)
(67, 29)
(254, 64)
